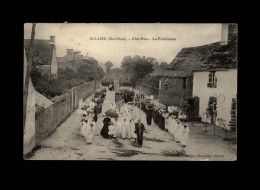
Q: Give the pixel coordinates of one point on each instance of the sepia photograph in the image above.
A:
(130, 91)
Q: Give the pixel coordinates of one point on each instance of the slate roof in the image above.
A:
(175, 73)
(194, 57)
(43, 48)
(206, 57)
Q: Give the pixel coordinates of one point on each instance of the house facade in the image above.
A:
(216, 89)
(44, 54)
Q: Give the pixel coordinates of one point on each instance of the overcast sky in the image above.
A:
(77, 37)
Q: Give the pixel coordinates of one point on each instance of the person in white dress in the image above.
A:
(83, 125)
(111, 131)
(128, 129)
(174, 126)
(90, 131)
(132, 129)
(168, 124)
(178, 131)
(124, 128)
(166, 120)
(118, 128)
(184, 135)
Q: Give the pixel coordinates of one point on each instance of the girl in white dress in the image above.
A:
(174, 126)
(83, 127)
(90, 131)
(166, 125)
(124, 128)
(169, 124)
(132, 129)
(178, 131)
(111, 131)
(184, 135)
(118, 128)
(128, 129)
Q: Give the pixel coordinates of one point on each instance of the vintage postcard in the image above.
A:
(130, 91)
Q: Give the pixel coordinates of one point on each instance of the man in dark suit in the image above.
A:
(139, 130)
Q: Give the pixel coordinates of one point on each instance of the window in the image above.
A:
(184, 82)
(212, 80)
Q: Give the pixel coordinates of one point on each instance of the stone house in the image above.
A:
(204, 71)
(175, 87)
(217, 91)
(44, 54)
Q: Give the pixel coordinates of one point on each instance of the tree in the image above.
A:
(164, 65)
(67, 75)
(108, 65)
(136, 67)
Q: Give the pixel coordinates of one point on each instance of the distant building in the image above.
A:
(44, 54)
(71, 60)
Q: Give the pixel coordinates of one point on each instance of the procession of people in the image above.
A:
(120, 122)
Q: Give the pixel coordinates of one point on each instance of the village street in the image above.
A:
(66, 143)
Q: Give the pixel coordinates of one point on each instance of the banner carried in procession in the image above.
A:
(116, 85)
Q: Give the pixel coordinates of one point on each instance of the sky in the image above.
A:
(77, 36)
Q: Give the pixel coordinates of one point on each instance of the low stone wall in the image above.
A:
(47, 120)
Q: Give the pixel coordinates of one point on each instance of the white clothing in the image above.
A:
(169, 125)
(124, 129)
(90, 131)
(184, 135)
(111, 130)
(128, 130)
(118, 128)
(174, 126)
(132, 127)
(177, 133)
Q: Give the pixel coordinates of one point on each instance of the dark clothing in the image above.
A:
(156, 117)
(96, 113)
(139, 130)
(149, 115)
(161, 122)
(104, 131)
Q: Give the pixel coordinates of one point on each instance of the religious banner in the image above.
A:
(116, 85)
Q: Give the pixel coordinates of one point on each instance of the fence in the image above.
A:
(47, 120)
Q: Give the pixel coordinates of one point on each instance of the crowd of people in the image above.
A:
(89, 110)
(125, 125)
(178, 129)
(167, 120)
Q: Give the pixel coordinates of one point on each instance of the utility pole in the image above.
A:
(27, 75)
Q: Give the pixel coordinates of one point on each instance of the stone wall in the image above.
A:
(175, 94)
(47, 120)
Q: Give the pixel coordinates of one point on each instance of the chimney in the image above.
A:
(52, 39)
(69, 54)
(224, 34)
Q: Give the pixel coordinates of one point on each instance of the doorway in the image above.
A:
(212, 109)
